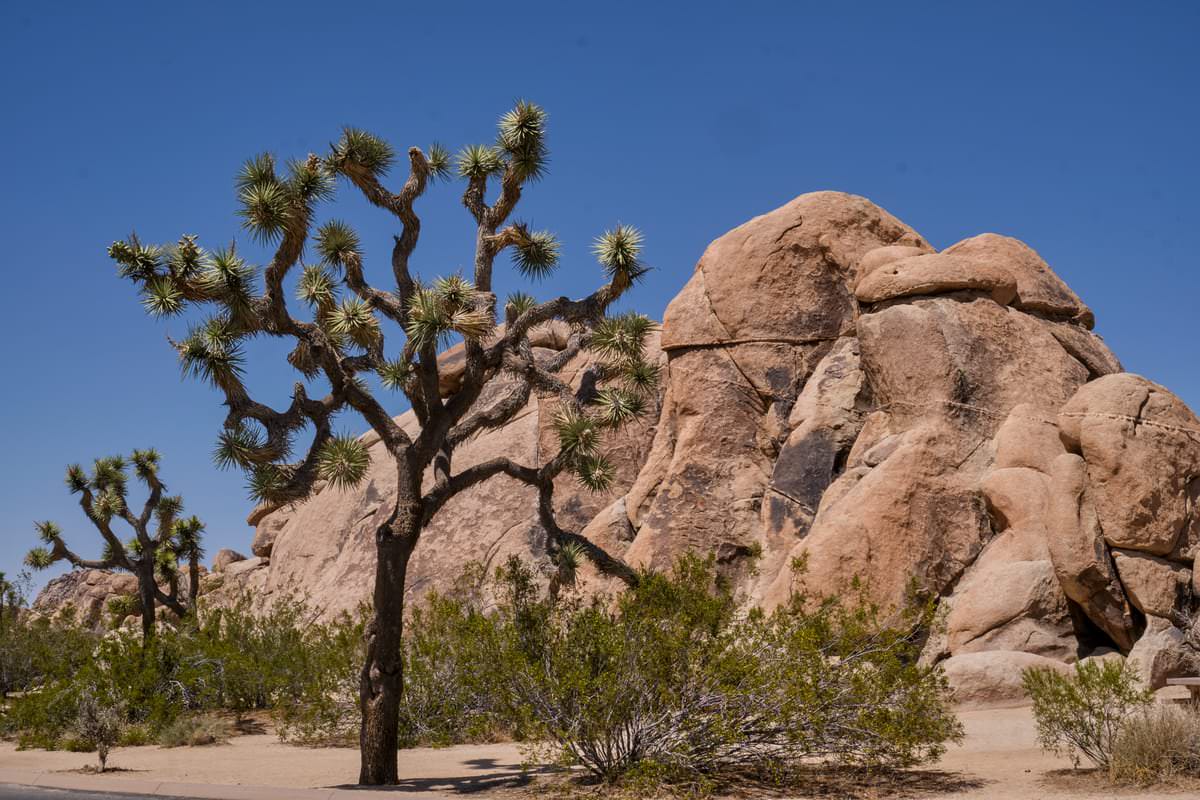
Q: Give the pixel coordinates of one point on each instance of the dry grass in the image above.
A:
(196, 731)
(1158, 745)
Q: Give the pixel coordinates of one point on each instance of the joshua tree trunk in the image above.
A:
(146, 587)
(382, 680)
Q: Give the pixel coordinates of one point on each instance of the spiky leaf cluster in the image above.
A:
(596, 472)
(337, 243)
(517, 304)
(39, 558)
(479, 161)
(47, 531)
(438, 159)
(568, 560)
(213, 353)
(309, 180)
(395, 374)
(343, 461)
(267, 483)
(618, 250)
(352, 320)
(186, 538)
(522, 137)
(239, 446)
(536, 253)
(135, 260)
(145, 462)
(451, 305)
(362, 150)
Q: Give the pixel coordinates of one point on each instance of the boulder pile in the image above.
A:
(839, 394)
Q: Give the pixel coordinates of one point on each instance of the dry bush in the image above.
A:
(1160, 744)
(195, 731)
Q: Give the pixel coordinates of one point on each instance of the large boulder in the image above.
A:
(992, 679)
(839, 394)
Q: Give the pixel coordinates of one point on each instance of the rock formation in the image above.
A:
(837, 391)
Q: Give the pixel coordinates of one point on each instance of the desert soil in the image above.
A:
(999, 760)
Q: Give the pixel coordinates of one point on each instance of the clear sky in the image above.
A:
(1073, 126)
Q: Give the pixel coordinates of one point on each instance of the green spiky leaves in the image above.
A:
(343, 461)
(568, 560)
(621, 337)
(266, 203)
(439, 160)
(451, 305)
(337, 243)
(517, 304)
(362, 150)
(169, 508)
(578, 434)
(162, 297)
(596, 472)
(317, 288)
(186, 535)
(108, 504)
(212, 353)
(240, 446)
(109, 474)
(229, 280)
(134, 259)
(268, 483)
(76, 479)
(309, 180)
(618, 251)
(618, 406)
(395, 374)
(145, 462)
(39, 558)
(479, 161)
(353, 319)
(47, 531)
(522, 137)
(535, 253)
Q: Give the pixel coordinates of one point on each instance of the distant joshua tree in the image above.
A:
(341, 340)
(153, 556)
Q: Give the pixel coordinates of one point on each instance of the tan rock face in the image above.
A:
(81, 595)
(835, 390)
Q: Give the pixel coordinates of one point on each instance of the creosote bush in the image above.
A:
(232, 660)
(1080, 714)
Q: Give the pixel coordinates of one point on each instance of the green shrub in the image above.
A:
(122, 606)
(1080, 714)
(1157, 745)
(673, 682)
(195, 730)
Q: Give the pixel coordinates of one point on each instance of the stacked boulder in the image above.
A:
(838, 392)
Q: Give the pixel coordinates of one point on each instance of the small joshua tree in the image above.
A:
(161, 538)
(342, 339)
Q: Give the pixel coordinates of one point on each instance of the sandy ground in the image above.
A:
(999, 760)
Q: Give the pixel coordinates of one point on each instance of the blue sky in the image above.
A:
(1072, 126)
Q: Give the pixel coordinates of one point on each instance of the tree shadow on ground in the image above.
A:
(498, 776)
(851, 784)
(815, 784)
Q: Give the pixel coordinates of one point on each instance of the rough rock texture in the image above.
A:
(993, 679)
(836, 391)
(80, 595)
(324, 548)
(224, 558)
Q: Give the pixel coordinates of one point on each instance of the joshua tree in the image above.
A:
(342, 340)
(151, 555)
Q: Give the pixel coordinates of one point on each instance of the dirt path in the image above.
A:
(999, 760)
